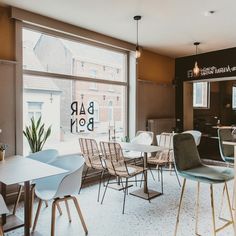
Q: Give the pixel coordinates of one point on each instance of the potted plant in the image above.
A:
(3, 148)
(36, 134)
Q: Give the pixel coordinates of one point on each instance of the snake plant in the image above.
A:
(36, 134)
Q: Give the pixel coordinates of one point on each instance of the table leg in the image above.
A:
(27, 208)
(145, 172)
(145, 193)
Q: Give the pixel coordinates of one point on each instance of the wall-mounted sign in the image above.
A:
(81, 117)
(212, 70)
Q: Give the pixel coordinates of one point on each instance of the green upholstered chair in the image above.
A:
(226, 151)
(189, 166)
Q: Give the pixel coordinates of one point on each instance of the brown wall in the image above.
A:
(156, 98)
(7, 81)
(155, 67)
(7, 38)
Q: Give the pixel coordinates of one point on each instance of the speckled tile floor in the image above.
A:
(141, 217)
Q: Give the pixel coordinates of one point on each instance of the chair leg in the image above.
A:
(230, 209)
(152, 174)
(105, 189)
(213, 209)
(80, 215)
(46, 203)
(37, 215)
(233, 201)
(54, 204)
(125, 193)
(158, 173)
(17, 199)
(177, 176)
(59, 208)
(32, 204)
(180, 203)
(222, 202)
(68, 210)
(141, 180)
(197, 208)
(1, 231)
(162, 180)
(100, 183)
(86, 172)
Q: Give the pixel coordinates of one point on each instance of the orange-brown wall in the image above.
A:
(7, 37)
(155, 67)
(155, 100)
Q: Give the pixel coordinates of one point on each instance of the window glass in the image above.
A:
(73, 107)
(201, 95)
(234, 97)
(74, 110)
(42, 52)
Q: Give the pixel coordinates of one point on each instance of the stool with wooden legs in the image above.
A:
(226, 153)
(93, 159)
(61, 188)
(189, 166)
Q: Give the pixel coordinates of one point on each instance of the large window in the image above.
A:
(234, 97)
(201, 95)
(78, 89)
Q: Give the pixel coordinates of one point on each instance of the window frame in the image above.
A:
(50, 32)
(208, 97)
(233, 105)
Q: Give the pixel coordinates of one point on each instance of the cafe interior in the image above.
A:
(118, 118)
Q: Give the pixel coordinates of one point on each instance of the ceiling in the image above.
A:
(168, 27)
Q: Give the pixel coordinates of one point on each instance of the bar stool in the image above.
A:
(189, 166)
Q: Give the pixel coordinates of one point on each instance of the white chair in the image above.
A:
(142, 137)
(196, 135)
(3, 210)
(45, 156)
(63, 187)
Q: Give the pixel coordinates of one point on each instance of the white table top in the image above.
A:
(141, 147)
(19, 169)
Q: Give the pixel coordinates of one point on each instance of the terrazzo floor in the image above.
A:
(141, 218)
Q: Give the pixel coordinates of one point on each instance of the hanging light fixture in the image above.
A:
(196, 69)
(137, 51)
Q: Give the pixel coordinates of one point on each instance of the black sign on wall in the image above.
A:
(81, 117)
(217, 64)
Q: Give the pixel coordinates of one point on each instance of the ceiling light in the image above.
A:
(137, 51)
(196, 69)
(209, 13)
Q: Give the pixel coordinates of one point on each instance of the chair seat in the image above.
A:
(229, 159)
(132, 171)
(97, 164)
(157, 161)
(209, 174)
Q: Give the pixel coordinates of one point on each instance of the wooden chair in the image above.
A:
(118, 167)
(93, 160)
(165, 157)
